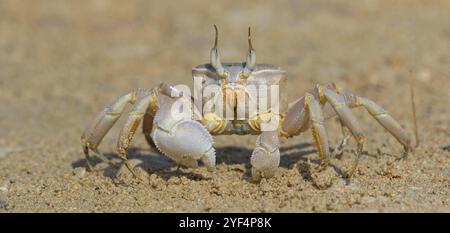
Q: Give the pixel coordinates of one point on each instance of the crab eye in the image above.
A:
(251, 56)
(215, 56)
(251, 59)
(216, 63)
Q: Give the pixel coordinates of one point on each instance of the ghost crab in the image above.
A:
(186, 137)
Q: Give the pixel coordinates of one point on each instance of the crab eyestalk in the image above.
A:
(215, 56)
(251, 57)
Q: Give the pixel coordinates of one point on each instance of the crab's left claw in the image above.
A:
(180, 138)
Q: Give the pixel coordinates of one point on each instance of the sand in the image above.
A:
(61, 62)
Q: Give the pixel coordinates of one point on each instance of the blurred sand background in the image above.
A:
(61, 62)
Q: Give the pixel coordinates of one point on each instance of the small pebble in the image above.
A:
(4, 188)
(174, 180)
(265, 186)
(323, 179)
(79, 172)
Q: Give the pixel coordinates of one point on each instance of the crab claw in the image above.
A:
(184, 140)
(187, 142)
(266, 156)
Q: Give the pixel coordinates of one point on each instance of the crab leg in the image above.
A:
(133, 121)
(318, 130)
(97, 130)
(348, 120)
(147, 125)
(389, 123)
(266, 156)
(340, 146)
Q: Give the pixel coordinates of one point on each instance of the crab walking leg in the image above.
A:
(147, 124)
(97, 130)
(348, 120)
(318, 130)
(339, 148)
(266, 156)
(133, 121)
(389, 123)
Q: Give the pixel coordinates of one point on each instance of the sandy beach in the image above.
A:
(61, 62)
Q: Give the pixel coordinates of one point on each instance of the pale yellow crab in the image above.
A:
(187, 137)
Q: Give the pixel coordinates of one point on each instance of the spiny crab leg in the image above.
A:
(348, 120)
(182, 139)
(339, 148)
(97, 130)
(389, 123)
(318, 130)
(311, 110)
(132, 123)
